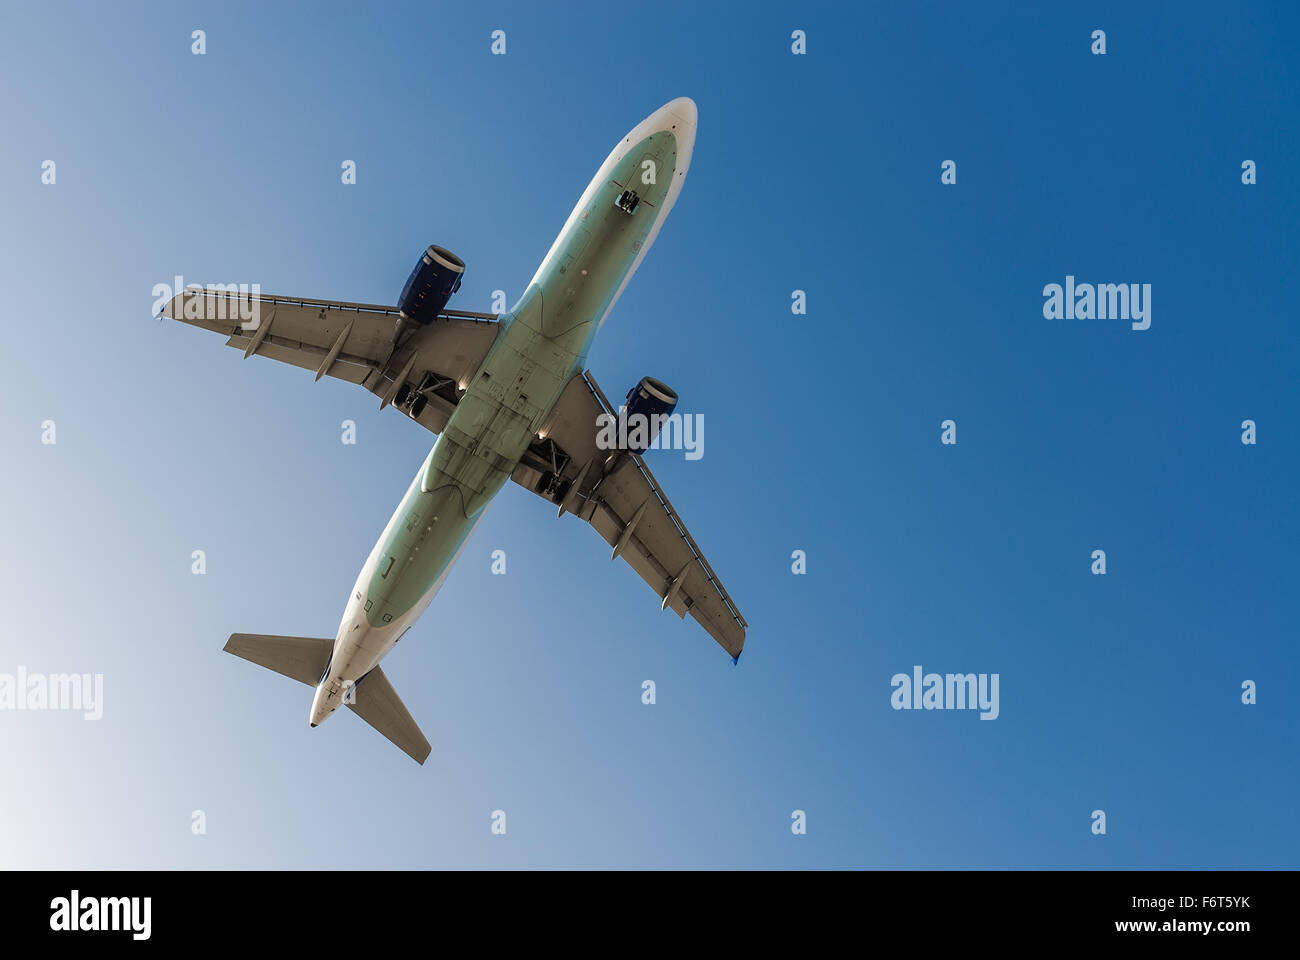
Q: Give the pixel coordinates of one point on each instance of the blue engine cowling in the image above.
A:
(435, 278)
(654, 400)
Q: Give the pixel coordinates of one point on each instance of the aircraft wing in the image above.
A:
(353, 342)
(568, 469)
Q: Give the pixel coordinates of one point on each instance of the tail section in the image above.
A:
(299, 658)
(306, 659)
(377, 703)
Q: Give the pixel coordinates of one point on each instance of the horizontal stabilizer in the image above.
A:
(299, 658)
(377, 703)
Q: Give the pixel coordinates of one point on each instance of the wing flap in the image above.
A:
(651, 570)
(307, 356)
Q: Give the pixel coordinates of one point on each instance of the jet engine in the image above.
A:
(435, 278)
(654, 401)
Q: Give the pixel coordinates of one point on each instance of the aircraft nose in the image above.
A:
(681, 117)
(684, 109)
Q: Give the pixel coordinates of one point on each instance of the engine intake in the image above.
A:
(435, 278)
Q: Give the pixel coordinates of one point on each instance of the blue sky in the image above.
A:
(819, 172)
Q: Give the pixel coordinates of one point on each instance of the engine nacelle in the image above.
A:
(435, 278)
(648, 406)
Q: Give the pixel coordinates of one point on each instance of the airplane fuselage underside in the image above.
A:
(542, 343)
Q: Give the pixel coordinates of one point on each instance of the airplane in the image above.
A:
(509, 399)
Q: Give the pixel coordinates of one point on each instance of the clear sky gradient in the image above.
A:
(925, 303)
